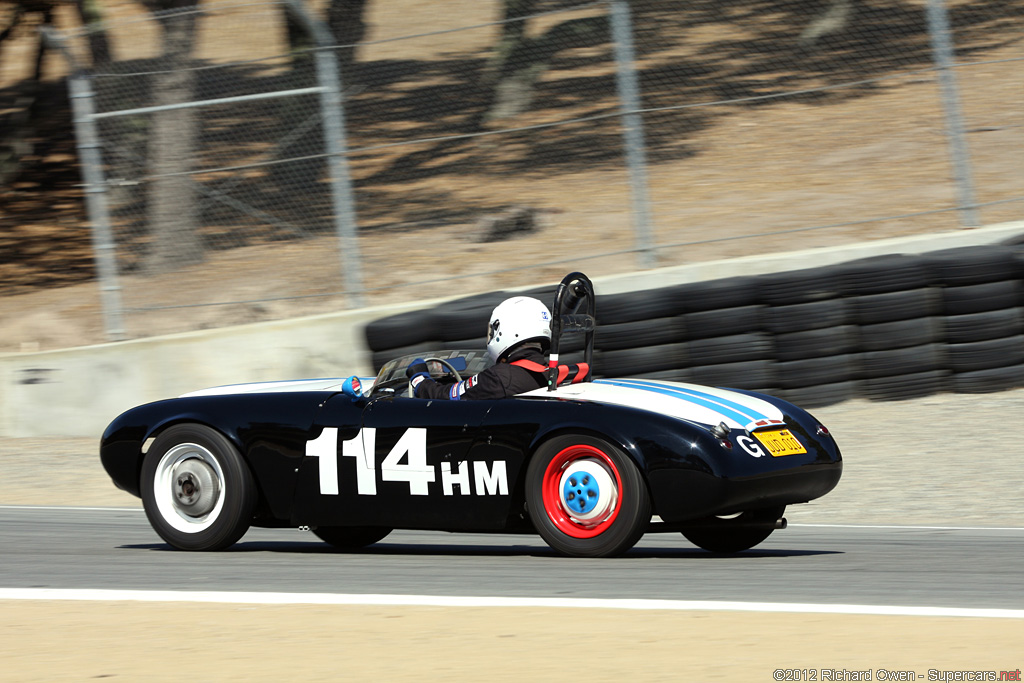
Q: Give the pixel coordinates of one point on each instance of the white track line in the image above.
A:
(909, 526)
(68, 508)
(224, 597)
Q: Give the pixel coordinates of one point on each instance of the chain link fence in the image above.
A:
(244, 177)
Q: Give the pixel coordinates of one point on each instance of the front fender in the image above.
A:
(269, 430)
(122, 442)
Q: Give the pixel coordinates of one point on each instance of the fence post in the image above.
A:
(333, 112)
(942, 47)
(104, 249)
(633, 132)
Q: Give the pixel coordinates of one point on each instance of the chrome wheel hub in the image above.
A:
(189, 487)
(195, 487)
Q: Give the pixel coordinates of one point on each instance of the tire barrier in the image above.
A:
(899, 334)
(893, 306)
(654, 332)
(722, 322)
(883, 274)
(976, 327)
(888, 327)
(825, 341)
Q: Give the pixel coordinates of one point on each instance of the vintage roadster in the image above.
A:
(591, 466)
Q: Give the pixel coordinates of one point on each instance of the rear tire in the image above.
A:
(726, 535)
(197, 490)
(586, 497)
(351, 537)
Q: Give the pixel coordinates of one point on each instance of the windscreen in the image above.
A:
(393, 371)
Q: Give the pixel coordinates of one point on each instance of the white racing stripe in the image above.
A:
(224, 597)
(705, 405)
(328, 384)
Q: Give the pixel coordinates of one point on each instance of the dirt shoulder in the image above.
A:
(83, 641)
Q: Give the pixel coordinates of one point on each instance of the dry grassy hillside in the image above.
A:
(717, 174)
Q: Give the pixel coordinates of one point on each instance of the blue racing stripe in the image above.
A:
(739, 413)
(752, 413)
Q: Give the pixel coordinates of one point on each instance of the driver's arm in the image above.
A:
(488, 384)
(425, 386)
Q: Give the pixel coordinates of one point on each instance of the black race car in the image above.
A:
(590, 466)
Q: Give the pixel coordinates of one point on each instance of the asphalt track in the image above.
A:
(86, 548)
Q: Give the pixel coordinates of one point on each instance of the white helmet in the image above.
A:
(514, 321)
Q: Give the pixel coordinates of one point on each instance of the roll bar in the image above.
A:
(574, 310)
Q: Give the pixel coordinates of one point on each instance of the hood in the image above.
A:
(332, 385)
(691, 402)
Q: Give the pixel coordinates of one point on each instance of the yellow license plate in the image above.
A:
(780, 442)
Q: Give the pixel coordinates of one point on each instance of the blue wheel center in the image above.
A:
(581, 492)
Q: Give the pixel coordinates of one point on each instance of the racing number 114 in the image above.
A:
(414, 470)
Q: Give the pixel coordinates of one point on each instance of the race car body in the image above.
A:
(591, 466)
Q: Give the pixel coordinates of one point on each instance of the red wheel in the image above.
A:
(581, 491)
(586, 497)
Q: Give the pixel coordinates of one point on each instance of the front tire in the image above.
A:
(586, 497)
(197, 490)
(733, 534)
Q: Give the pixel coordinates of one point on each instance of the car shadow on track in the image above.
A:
(486, 550)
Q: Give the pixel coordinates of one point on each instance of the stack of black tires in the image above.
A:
(883, 328)
(814, 336)
(893, 301)
(981, 300)
(708, 333)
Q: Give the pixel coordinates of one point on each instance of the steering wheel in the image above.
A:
(445, 364)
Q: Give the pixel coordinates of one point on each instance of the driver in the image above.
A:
(518, 335)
